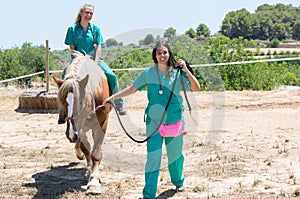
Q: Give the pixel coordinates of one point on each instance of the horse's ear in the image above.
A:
(84, 81)
(58, 81)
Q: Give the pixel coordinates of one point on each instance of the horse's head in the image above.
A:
(75, 104)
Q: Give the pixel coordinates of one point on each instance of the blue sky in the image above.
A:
(35, 21)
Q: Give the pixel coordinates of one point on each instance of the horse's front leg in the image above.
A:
(94, 185)
(82, 150)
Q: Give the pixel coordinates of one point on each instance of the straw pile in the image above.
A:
(39, 101)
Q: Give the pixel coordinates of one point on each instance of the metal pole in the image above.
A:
(47, 66)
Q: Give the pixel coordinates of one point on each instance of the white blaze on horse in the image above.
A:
(81, 95)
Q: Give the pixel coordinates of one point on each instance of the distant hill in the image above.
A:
(134, 36)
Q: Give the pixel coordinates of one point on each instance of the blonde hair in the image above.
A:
(81, 10)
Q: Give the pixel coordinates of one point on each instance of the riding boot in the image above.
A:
(120, 109)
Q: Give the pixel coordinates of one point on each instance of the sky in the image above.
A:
(36, 21)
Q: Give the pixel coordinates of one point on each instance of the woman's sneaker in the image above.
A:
(180, 188)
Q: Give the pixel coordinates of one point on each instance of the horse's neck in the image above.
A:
(82, 66)
(94, 71)
(76, 68)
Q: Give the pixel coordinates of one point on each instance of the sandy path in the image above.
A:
(246, 145)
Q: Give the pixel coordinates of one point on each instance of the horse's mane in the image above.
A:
(68, 86)
(81, 66)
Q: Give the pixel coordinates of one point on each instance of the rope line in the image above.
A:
(193, 66)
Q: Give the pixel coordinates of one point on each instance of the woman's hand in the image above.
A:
(195, 86)
(108, 100)
(123, 93)
(182, 65)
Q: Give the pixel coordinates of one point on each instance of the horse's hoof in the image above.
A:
(80, 157)
(93, 189)
(84, 187)
(79, 154)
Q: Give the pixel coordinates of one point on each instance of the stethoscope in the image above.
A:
(160, 86)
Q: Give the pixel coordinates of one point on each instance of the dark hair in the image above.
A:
(171, 62)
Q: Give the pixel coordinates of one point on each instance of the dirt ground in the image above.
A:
(243, 145)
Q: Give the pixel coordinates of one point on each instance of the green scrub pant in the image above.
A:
(154, 153)
(112, 80)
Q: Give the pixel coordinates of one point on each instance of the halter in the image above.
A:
(78, 115)
(81, 110)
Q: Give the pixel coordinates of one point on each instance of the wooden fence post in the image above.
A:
(47, 65)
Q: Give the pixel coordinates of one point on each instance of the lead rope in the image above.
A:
(187, 101)
(160, 122)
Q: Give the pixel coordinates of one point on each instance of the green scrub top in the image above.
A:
(156, 101)
(84, 40)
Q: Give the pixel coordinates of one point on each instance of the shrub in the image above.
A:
(274, 43)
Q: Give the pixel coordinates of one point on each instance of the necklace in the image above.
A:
(160, 86)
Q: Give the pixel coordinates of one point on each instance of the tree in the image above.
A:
(256, 28)
(191, 33)
(111, 42)
(10, 65)
(33, 58)
(296, 31)
(264, 7)
(267, 22)
(274, 43)
(25, 60)
(149, 39)
(236, 24)
(278, 31)
(202, 31)
(169, 33)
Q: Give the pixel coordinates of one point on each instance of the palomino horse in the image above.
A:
(81, 95)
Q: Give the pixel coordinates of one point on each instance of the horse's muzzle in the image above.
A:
(72, 139)
(72, 134)
(61, 119)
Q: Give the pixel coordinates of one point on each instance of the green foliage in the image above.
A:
(277, 23)
(274, 43)
(202, 31)
(296, 31)
(223, 49)
(22, 61)
(149, 39)
(258, 76)
(290, 79)
(111, 42)
(132, 58)
(32, 58)
(127, 58)
(191, 33)
(236, 24)
(10, 65)
(170, 33)
(268, 22)
(219, 49)
(61, 57)
(195, 52)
